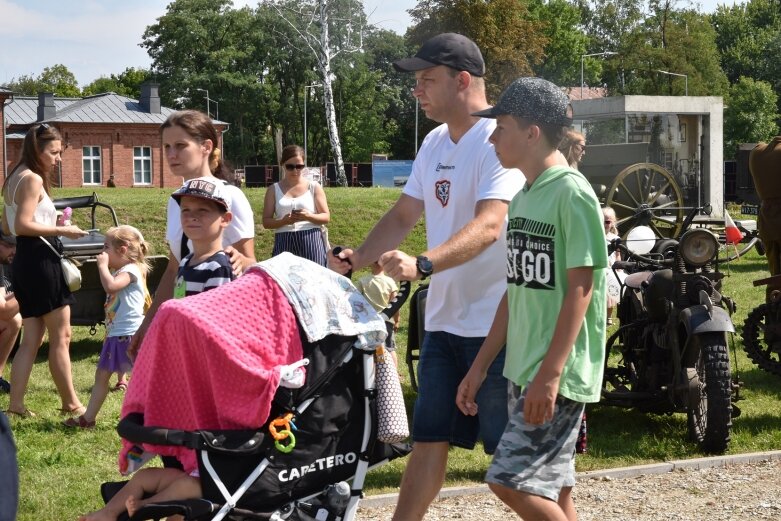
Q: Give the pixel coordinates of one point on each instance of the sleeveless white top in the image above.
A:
(284, 205)
(45, 213)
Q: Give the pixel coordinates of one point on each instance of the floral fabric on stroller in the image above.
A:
(206, 389)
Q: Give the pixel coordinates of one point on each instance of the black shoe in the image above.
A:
(5, 387)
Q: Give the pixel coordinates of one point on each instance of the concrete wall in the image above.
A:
(710, 107)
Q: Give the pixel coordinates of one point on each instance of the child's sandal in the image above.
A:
(79, 423)
(121, 386)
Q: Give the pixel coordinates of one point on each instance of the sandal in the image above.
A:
(27, 413)
(121, 386)
(79, 423)
(73, 411)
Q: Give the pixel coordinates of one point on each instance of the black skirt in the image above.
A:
(37, 278)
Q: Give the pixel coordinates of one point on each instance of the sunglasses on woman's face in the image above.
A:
(294, 167)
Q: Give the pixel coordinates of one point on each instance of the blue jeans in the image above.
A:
(444, 361)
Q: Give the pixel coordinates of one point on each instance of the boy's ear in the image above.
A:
(227, 217)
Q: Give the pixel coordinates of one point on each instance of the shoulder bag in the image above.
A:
(70, 272)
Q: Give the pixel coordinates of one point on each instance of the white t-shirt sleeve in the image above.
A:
(173, 227)
(497, 182)
(243, 224)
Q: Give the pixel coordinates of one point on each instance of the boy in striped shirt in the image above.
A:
(204, 214)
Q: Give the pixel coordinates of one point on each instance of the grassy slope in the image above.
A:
(61, 470)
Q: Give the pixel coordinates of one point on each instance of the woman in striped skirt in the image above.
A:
(296, 208)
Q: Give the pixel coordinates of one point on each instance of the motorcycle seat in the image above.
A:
(635, 280)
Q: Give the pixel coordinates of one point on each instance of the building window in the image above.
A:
(142, 165)
(91, 165)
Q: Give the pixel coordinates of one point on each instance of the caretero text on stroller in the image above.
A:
(319, 464)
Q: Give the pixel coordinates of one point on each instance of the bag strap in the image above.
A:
(50, 246)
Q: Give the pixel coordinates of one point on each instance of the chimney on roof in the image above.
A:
(150, 97)
(46, 108)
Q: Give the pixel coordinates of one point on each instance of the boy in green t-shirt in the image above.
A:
(552, 316)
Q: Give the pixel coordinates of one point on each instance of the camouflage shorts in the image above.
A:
(537, 459)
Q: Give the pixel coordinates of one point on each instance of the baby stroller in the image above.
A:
(312, 440)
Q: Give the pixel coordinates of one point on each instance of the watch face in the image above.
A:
(425, 266)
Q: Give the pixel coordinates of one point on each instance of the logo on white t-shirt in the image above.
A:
(443, 191)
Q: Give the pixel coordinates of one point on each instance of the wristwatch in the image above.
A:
(425, 267)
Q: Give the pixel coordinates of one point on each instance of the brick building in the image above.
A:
(107, 138)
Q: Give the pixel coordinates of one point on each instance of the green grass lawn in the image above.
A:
(61, 470)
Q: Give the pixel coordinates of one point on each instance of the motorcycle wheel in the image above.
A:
(709, 416)
(767, 354)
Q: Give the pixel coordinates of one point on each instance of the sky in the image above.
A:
(94, 38)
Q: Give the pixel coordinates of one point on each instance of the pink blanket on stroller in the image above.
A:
(212, 361)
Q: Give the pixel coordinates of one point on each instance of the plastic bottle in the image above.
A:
(67, 212)
(337, 496)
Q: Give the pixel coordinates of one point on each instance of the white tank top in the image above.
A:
(45, 213)
(284, 205)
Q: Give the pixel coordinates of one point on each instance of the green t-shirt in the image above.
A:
(555, 225)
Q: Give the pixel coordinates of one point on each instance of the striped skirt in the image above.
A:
(305, 243)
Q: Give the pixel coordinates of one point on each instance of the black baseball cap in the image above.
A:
(450, 49)
(209, 188)
(534, 99)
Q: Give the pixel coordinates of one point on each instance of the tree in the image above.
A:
(566, 42)
(326, 29)
(744, 34)
(382, 48)
(750, 114)
(511, 39)
(127, 83)
(608, 25)
(60, 80)
(56, 79)
(205, 44)
(679, 41)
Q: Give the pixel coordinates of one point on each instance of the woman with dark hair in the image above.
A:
(43, 296)
(573, 146)
(190, 147)
(296, 208)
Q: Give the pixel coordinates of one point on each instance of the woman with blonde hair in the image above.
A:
(573, 146)
(43, 296)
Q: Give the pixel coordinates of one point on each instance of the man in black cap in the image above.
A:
(10, 319)
(464, 191)
(552, 315)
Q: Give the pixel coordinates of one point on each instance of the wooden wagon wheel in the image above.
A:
(647, 194)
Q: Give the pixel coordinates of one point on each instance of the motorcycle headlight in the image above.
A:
(698, 247)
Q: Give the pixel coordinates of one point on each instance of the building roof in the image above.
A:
(576, 93)
(101, 108)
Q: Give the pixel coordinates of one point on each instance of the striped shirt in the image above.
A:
(214, 271)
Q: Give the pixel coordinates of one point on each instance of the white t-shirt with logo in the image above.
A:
(450, 178)
(242, 226)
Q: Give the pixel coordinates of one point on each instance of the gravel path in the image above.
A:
(736, 492)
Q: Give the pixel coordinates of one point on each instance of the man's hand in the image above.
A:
(465, 397)
(399, 266)
(540, 399)
(342, 262)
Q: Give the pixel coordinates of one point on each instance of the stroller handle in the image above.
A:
(132, 428)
